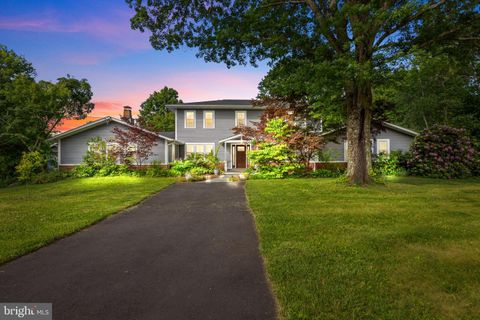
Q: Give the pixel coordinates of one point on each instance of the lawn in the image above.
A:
(33, 216)
(406, 250)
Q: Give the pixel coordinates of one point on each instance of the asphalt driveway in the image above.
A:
(189, 252)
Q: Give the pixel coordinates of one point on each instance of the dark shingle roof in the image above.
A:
(228, 104)
(223, 102)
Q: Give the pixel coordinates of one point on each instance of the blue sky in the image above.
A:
(93, 40)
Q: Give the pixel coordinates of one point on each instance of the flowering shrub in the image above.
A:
(443, 152)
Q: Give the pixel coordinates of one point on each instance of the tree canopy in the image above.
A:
(31, 110)
(331, 53)
(153, 112)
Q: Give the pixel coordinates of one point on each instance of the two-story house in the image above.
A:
(203, 127)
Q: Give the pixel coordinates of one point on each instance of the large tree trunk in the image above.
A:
(359, 119)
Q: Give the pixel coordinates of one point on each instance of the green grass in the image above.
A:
(407, 250)
(33, 216)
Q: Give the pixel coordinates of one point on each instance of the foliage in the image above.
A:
(31, 163)
(282, 146)
(99, 162)
(156, 169)
(133, 143)
(392, 164)
(196, 164)
(32, 110)
(443, 152)
(331, 54)
(153, 112)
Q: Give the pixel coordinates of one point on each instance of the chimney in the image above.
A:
(127, 114)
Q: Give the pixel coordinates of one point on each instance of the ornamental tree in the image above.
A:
(333, 51)
(133, 143)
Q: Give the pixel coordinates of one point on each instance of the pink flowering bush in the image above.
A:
(443, 152)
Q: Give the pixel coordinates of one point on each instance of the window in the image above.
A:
(190, 119)
(240, 118)
(209, 119)
(383, 146)
(203, 148)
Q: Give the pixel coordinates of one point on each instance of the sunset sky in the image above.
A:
(93, 40)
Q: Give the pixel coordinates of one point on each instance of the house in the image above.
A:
(203, 127)
(72, 145)
(389, 137)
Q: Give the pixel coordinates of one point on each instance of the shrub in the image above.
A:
(272, 161)
(443, 152)
(196, 164)
(31, 163)
(180, 168)
(389, 165)
(156, 170)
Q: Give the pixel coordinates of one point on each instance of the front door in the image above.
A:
(241, 155)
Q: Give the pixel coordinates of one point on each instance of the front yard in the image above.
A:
(407, 250)
(33, 216)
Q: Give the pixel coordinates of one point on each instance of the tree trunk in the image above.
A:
(359, 119)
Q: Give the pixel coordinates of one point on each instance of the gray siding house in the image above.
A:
(390, 138)
(203, 127)
(206, 126)
(72, 145)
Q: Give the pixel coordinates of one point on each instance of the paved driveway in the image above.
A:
(189, 252)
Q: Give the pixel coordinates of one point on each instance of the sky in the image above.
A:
(92, 39)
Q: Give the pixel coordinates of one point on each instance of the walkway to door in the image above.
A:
(189, 252)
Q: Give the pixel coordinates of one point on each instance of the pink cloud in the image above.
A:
(192, 86)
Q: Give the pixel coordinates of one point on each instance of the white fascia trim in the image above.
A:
(96, 123)
(402, 129)
(213, 117)
(176, 124)
(185, 119)
(230, 138)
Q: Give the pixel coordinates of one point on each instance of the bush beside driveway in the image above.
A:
(33, 216)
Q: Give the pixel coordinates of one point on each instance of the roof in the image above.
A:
(216, 104)
(97, 123)
(389, 125)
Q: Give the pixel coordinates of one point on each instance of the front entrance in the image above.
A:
(241, 156)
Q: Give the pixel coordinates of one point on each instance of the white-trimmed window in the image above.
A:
(190, 119)
(345, 150)
(240, 118)
(383, 146)
(203, 148)
(209, 119)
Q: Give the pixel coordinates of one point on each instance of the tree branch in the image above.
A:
(403, 23)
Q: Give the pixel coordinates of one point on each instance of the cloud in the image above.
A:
(113, 29)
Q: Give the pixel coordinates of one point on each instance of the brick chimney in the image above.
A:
(127, 114)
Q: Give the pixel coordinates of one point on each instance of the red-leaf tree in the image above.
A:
(302, 138)
(134, 143)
